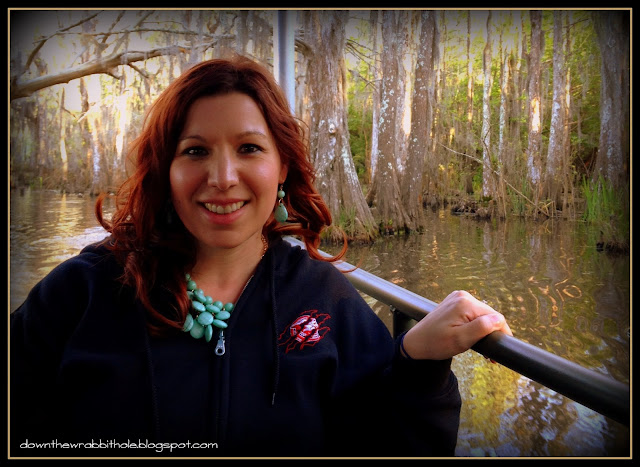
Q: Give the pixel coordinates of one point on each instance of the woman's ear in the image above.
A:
(284, 171)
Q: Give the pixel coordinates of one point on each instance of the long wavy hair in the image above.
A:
(154, 252)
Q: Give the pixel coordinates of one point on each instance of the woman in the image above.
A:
(194, 329)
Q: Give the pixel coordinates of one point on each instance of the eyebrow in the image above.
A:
(239, 135)
(198, 137)
(253, 133)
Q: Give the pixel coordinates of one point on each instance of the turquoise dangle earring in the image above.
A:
(281, 213)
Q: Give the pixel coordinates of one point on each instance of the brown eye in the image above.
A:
(250, 148)
(194, 151)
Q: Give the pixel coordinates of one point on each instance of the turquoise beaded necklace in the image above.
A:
(207, 314)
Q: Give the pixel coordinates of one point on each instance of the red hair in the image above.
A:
(155, 253)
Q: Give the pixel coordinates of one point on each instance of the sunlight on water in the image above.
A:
(46, 228)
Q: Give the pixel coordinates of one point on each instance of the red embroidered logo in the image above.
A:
(306, 330)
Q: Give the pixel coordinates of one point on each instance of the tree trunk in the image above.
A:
(90, 135)
(534, 150)
(241, 34)
(402, 19)
(612, 30)
(389, 213)
(435, 89)
(511, 162)
(488, 183)
(420, 121)
(43, 147)
(554, 169)
(505, 137)
(375, 98)
(63, 146)
(439, 112)
(505, 100)
(521, 106)
(96, 156)
(509, 106)
(568, 203)
(467, 164)
(329, 133)
(224, 47)
(43, 159)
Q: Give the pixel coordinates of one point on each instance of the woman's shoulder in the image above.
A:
(93, 260)
(57, 302)
(294, 262)
(317, 283)
(294, 251)
(95, 266)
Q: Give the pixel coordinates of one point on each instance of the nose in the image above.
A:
(223, 170)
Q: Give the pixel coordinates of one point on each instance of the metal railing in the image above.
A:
(599, 392)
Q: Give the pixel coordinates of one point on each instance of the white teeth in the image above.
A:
(227, 209)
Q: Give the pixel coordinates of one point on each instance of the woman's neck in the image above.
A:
(223, 273)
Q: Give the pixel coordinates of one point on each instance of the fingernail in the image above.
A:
(496, 319)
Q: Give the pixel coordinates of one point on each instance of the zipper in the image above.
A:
(221, 421)
(220, 348)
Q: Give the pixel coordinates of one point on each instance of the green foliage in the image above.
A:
(518, 203)
(347, 221)
(359, 130)
(360, 117)
(607, 209)
(599, 199)
(476, 181)
(36, 183)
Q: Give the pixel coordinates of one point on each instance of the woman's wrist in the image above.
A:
(403, 351)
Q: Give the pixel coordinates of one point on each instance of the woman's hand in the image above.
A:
(456, 324)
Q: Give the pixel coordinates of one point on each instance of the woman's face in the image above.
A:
(226, 171)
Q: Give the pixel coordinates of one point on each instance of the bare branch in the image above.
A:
(143, 73)
(45, 39)
(124, 36)
(101, 65)
(134, 30)
(114, 75)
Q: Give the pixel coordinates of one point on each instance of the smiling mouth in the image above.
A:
(226, 209)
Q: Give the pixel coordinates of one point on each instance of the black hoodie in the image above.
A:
(309, 370)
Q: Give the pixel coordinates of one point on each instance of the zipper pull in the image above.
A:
(220, 346)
